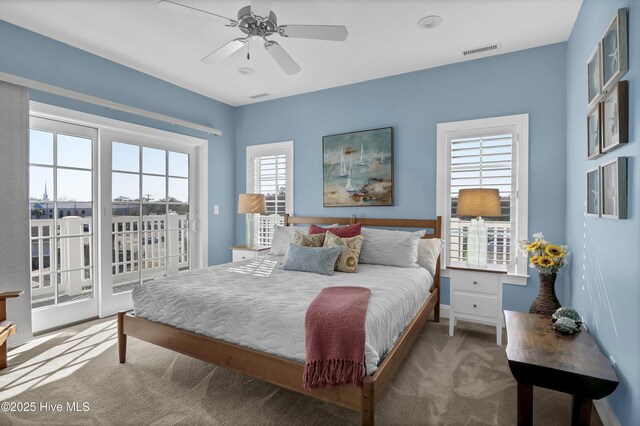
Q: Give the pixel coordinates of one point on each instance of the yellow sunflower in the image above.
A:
(555, 251)
(534, 259)
(545, 261)
(534, 246)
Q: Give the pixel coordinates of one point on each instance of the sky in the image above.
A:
(76, 184)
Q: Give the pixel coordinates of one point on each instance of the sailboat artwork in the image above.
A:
(358, 168)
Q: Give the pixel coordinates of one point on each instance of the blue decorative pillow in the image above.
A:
(320, 260)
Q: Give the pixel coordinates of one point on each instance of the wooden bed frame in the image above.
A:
(284, 372)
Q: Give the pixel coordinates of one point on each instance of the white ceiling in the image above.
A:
(384, 38)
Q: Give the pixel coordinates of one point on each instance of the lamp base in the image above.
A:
(477, 240)
(251, 229)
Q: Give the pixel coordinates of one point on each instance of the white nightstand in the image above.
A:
(476, 295)
(245, 252)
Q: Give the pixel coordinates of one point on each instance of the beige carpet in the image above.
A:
(463, 380)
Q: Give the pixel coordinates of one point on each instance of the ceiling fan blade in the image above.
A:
(318, 32)
(224, 51)
(261, 8)
(194, 11)
(282, 58)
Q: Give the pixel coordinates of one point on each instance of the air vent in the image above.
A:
(261, 95)
(481, 49)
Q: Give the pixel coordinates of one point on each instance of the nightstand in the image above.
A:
(476, 296)
(247, 252)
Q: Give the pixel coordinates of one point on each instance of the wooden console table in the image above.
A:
(538, 355)
(7, 328)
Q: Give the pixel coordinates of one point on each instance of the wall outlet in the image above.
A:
(216, 209)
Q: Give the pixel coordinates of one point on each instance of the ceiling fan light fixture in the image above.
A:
(429, 22)
(245, 71)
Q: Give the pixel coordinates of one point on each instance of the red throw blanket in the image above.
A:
(335, 337)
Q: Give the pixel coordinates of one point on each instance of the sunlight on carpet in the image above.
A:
(58, 362)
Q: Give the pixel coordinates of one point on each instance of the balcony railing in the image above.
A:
(499, 241)
(264, 230)
(162, 245)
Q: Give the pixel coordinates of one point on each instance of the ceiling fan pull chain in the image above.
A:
(248, 50)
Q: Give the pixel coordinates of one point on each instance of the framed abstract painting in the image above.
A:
(358, 168)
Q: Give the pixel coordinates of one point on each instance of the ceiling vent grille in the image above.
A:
(481, 49)
(261, 95)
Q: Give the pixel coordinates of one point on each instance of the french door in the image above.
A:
(109, 208)
(148, 223)
(62, 201)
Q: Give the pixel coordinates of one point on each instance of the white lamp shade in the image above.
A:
(251, 203)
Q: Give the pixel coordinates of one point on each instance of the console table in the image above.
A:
(538, 355)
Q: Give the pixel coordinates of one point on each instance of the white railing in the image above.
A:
(159, 239)
(499, 244)
(264, 230)
(162, 236)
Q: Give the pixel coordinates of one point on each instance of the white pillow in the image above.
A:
(428, 252)
(392, 248)
(282, 237)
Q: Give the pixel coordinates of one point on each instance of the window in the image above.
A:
(486, 153)
(270, 172)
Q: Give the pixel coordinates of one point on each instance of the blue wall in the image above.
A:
(33, 56)
(531, 81)
(605, 268)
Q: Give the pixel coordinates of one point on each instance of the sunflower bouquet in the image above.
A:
(547, 258)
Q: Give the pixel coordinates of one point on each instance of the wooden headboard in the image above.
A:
(429, 224)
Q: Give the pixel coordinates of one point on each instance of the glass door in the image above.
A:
(150, 199)
(62, 190)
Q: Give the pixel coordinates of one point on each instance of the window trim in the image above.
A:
(275, 148)
(517, 273)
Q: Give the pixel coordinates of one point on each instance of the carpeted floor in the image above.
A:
(462, 380)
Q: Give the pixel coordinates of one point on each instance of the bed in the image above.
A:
(245, 325)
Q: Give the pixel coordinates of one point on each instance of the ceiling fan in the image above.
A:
(257, 21)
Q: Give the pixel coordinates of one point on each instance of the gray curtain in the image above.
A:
(15, 257)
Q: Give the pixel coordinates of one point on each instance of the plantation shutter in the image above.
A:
(270, 179)
(483, 162)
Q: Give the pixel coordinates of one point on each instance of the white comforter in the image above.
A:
(257, 305)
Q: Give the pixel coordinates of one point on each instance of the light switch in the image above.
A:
(216, 209)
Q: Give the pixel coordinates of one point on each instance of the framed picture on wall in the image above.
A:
(594, 132)
(613, 189)
(615, 56)
(358, 168)
(593, 192)
(594, 77)
(615, 122)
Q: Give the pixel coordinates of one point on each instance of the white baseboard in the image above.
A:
(605, 412)
(444, 311)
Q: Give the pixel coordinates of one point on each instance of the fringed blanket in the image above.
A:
(335, 337)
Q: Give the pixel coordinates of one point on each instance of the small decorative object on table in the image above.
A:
(566, 320)
(547, 258)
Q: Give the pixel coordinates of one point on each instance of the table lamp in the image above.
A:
(478, 203)
(251, 205)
